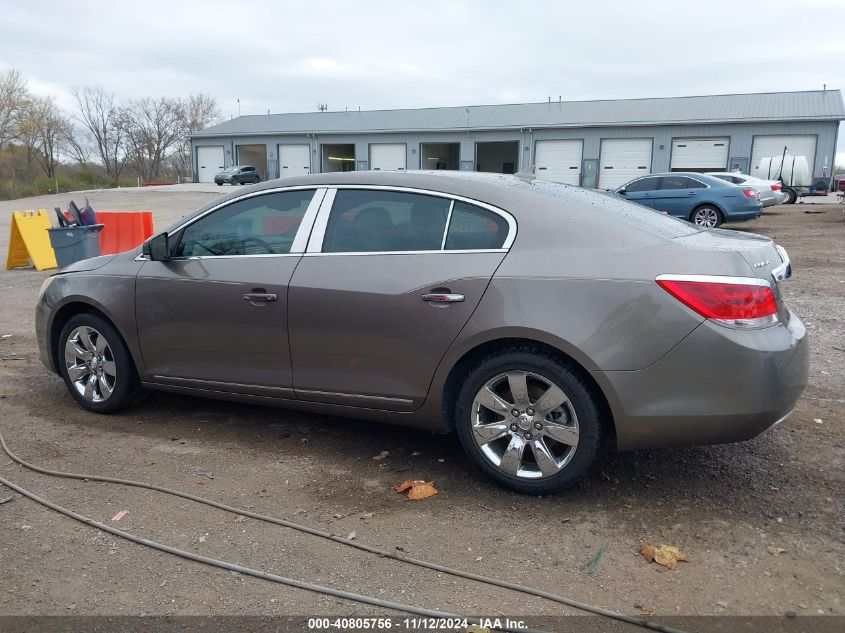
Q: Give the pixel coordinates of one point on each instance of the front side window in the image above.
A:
(260, 225)
(643, 184)
(366, 221)
(674, 182)
(474, 228)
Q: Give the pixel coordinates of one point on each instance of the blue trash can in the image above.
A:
(74, 243)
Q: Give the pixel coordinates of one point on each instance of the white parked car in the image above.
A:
(770, 191)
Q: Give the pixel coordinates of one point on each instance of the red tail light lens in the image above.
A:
(735, 301)
(775, 187)
(749, 193)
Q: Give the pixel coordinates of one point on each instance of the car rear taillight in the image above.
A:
(749, 193)
(775, 187)
(742, 302)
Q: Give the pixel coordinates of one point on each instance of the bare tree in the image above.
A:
(153, 128)
(199, 111)
(102, 120)
(13, 94)
(54, 130)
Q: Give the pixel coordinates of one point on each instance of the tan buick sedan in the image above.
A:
(533, 319)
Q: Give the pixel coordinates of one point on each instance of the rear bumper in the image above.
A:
(743, 212)
(717, 386)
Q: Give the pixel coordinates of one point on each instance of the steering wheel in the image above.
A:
(260, 242)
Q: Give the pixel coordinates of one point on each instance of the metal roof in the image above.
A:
(769, 106)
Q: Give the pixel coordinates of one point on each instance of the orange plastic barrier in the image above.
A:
(123, 230)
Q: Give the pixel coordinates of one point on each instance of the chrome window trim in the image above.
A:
(448, 224)
(716, 279)
(299, 240)
(455, 252)
(315, 244)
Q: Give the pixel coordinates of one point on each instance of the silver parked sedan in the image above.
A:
(770, 191)
(533, 319)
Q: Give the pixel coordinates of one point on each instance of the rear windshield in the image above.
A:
(629, 213)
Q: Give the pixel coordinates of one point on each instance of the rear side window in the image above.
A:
(474, 228)
(364, 221)
(695, 184)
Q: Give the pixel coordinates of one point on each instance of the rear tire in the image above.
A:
(706, 216)
(551, 442)
(96, 365)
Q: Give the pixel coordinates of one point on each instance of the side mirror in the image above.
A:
(157, 248)
(622, 191)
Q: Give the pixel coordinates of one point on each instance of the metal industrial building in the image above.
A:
(589, 143)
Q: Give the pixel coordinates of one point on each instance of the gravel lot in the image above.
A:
(723, 506)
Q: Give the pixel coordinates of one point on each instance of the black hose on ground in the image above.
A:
(635, 620)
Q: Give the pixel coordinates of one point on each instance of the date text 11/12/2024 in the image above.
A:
(411, 624)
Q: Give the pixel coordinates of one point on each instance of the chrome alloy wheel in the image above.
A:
(90, 364)
(525, 425)
(706, 216)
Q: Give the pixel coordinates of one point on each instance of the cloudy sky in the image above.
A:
(289, 56)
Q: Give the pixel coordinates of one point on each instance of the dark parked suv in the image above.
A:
(238, 175)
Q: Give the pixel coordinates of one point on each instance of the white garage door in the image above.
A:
(294, 160)
(559, 161)
(765, 146)
(623, 159)
(209, 162)
(384, 156)
(700, 154)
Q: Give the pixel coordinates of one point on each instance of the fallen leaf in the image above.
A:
(422, 491)
(417, 489)
(367, 515)
(403, 486)
(381, 456)
(338, 515)
(239, 518)
(351, 535)
(775, 551)
(665, 555)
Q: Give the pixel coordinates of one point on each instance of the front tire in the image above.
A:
(528, 421)
(706, 216)
(96, 365)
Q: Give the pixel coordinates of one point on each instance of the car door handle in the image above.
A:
(260, 296)
(442, 297)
